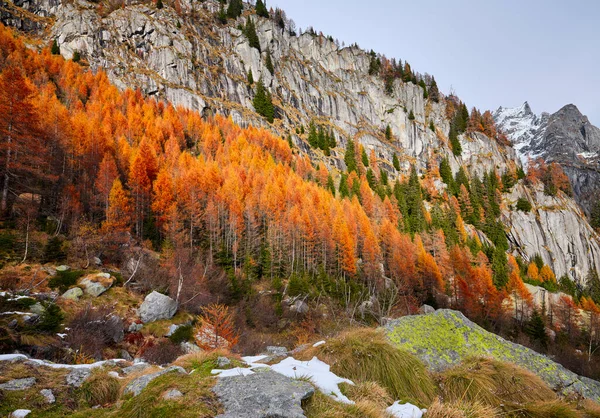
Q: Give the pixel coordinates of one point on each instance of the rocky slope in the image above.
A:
(566, 137)
(188, 58)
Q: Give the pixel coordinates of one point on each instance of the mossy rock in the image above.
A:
(446, 338)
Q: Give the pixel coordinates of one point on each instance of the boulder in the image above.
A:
(223, 362)
(172, 394)
(157, 306)
(63, 268)
(73, 294)
(77, 376)
(37, 308)
(263, 394)
(135, 327)
(136, 386)
(171, 330)
(137, 367)
(18, 384)
(189, 348)
(48, 395)
(96, 284)
(426, 309)
(277, 351)
(445, 338)
(97, 261)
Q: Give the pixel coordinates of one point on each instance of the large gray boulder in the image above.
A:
(96, 284)
(18, 384)
(157, 306)
(73, 294)
(445, 338)
(77, 376)
(136, 386)
(263, 394)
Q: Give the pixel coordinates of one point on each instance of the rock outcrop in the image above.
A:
(136, 386)
(261, 395)
(445, 338)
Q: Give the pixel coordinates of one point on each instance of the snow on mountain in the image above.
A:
(524, 129)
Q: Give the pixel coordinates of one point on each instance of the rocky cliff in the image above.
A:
(187, 57)
(566, 137)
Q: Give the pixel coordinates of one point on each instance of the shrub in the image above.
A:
(364, 355)
(182, 334)
(94, 329)
(523, 205)
(77, 55)
(100, 389)
(53, 251)
(161, 352)
(65, 279)
(50, 320)
(298, 285)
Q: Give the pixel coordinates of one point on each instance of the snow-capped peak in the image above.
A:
(523, 128)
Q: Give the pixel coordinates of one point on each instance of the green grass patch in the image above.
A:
(65, 279)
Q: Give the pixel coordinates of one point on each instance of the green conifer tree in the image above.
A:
(55, 48)
(263, 103)
(159, 4)
(269, 63)
(343, 188)
(365, 158)
(261, 9)
(388, 133)
(250, 32)
(349, 156)
(396, 162)
(250, 77)
(235, 9)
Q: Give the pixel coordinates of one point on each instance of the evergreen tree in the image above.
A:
(263, 103)
(332, 141)
(414, 202)
(76, 56)
(536, 329)
(250, 32)
(592, 285)
(330, 184)
(365, 158)
(371, 179)
(269, 63)
(446, 175)
(431, 126)
(434, 93)
(500, 268)
(222, 15)
(411, 115)
(55, 48)
(384, 178)
(159, 4)
(461, 178)
(396, 162)
(250, 77)
(235, 9)
(388, 133)
(261, 9)
(375, 64)
(454, 141)
(343, 188)
(313, 137)
(424, 87)
(349, 156)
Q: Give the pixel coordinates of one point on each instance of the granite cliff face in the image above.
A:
(566, 137)
(190, 59)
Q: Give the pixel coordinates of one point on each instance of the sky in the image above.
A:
(490, 52)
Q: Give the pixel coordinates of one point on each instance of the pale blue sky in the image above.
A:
(491, 52)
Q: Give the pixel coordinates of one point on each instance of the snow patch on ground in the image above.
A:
(406, 410)
(13, 357)
(318, 344)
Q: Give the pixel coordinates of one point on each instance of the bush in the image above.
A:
(65, 279)
(53, 251)
(298, 285)
(523, 205)
(182, 334)
(94, 329)
(161, 352)
(101, 389)
(51, 318)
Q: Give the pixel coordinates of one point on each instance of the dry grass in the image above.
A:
(493, 383)
(322, 406)
(368, 392)
(591, 409)
(461, 409)
(101, 389)
(197, 360)
(552, 409)
(364, 355)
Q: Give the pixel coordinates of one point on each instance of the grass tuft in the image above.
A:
(461, 409)
(364, 355)
(493, 383)
(101, 389)
(554, 409)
